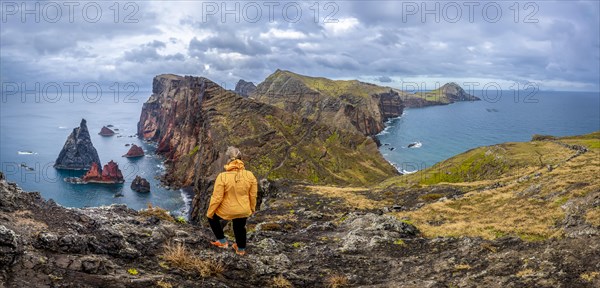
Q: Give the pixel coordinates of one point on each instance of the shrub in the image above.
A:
(132, 271)
(157, 212)
(431, 197)
(538, 137)
(280, 282)
(336, 281)
(178, 256)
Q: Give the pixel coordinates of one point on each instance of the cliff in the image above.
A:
(534, 225)
(193, 120)
(244, 88)
(78, 153)
(347, 105)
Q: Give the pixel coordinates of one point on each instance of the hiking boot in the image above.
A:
(221, 245)
(237, 251)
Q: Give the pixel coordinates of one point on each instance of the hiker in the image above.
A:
(233, 198)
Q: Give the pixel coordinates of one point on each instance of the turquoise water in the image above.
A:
(444, 131)
(42, 128)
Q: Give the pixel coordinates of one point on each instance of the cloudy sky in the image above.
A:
(551, 44)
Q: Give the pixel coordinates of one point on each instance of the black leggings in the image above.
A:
(239, 229)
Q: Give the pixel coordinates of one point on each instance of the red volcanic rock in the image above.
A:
(134, 151)
(93, 173)
(110, 174)
(106, 131)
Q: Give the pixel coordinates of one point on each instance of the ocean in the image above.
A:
(440, 132)
(32, 133)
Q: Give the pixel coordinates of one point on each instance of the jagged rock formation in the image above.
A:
(244, 88)
(111, 174)
(140, 184)
(348, 105)
(105, 131)
(194, 120)
(134, 151)
(78, 153)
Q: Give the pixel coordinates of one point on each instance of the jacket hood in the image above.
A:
(234, 165)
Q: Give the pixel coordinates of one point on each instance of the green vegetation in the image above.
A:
(510, 191)
(132, 271)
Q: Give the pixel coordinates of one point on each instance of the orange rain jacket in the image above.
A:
(234, 195)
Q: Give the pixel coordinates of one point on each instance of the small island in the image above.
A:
(134, 152)
(110, 174)
(140, 184)
(106, 132)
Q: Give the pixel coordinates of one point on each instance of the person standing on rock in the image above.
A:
(233, 198)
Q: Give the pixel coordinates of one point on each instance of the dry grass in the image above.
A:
(462, 267)
(157, 212)
(336, 281)
(280, 282)
(178, 256)
(589, 276)
(528, 207)
(163, 284)
(525, 273)
(593, 216)
(350, 195)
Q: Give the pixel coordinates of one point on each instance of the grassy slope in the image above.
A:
(509, 189)
(334, 88)
(495, 191)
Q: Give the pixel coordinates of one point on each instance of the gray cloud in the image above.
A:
(371, 39)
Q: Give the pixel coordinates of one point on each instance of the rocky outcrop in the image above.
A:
(349, 105)
(110, 174)
(105, 131)
(456, 93)
(78, 153)
(45, 245)
(134, 151)
(140, 184)
(193, 120)
(244, 88)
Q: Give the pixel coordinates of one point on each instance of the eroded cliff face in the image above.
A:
(349, 105)
(193, 121)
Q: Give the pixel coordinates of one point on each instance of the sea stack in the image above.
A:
(140, 184)
(105, 131)
(134, 151)
(111, 174)
(78, 153)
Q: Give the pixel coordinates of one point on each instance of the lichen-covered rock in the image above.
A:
(9, 246)
(78, 153)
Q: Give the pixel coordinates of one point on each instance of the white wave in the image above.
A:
(62, 127)
(415, 145)
(403, 171)
(26, 153)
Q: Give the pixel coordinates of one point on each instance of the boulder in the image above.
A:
(105, 131)
(78, 153)
(140, 184)
(134, 151)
